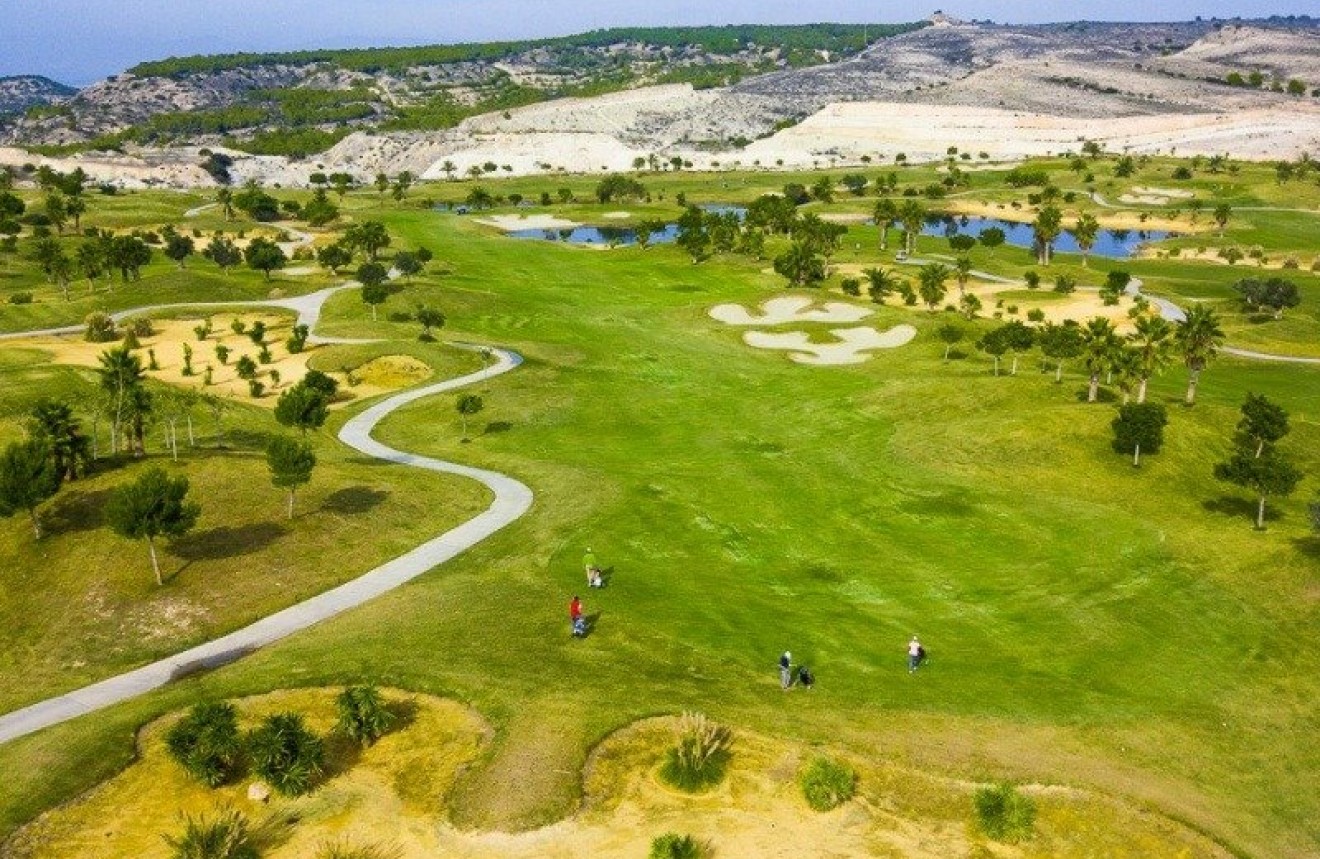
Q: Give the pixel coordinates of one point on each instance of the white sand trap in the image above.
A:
(853, 342)
(1143, 199)
(617, 216)
(509, 223)
(789, 309)
(299, 271)
(1164, 192)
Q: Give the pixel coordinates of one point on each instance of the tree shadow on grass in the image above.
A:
(226, 542)
(1103, 395)
(354, 500)
(496, 427)
(1237, 507)
(1309, 546)
(73, 512)
(342, 753)
(250, 439)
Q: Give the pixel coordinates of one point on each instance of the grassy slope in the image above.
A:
(98, 610)
(1125, 627)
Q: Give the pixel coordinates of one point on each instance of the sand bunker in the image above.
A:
(617, 216)
(509, 223)
(853, 343)
(1164, 192)
(789, 309)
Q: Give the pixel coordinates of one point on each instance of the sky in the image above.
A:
(79, 41)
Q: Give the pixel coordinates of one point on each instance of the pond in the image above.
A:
(587, 235)
(1114, 244)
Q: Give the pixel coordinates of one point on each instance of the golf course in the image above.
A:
(788, 442)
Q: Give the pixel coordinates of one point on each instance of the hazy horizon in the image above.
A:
(79, 41)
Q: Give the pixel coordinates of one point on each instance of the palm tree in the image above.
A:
(1085, 231)
(885, 214)
(931, 279)
(1100, 345)
(1152, 339)
(1125, 369)
(121, 378)
(1198, 338)
(882, 282)
(962, 269)
(1047, 226)
(225, 197)
(1222, 213)
(912, 215)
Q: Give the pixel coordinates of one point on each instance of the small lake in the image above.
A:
(587, 235)
(1114, 244)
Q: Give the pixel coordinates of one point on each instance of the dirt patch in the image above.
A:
(392, 371)
(617, 216)
(1109, 219)
(381, 375)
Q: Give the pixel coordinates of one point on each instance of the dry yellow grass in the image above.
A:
(393, 796)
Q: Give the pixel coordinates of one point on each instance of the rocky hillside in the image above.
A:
(301, 102)
(20, 93)
(704, 97)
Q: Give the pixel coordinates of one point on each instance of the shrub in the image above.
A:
(141, 326)
(238, 326)
(852, 286)
(671, 845)
(222, 353)
(257, 332)
(363, 716)
(1004, 814)
(100, 328)
(131, 340)
(297, 340)
(256, 388)
(349, 850)
(245, 367)
(225, 837)
(21, 298)
(202, 331)
(827, 784)
(699, 756)
(287, 755)
(206, 743)
(1035, 314)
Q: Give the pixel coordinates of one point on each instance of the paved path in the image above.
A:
(512, 499)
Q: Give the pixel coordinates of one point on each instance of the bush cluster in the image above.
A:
(827, 783)
(699, 756)
(671, 845)
(1004, 814)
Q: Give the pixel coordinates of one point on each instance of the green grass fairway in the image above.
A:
(1088, 623)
